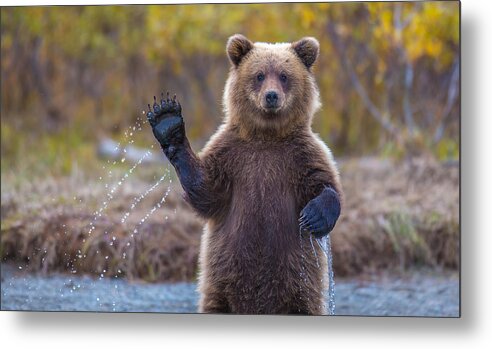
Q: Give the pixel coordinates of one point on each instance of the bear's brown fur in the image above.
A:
(260, 170)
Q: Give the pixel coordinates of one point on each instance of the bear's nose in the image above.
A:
(271, 99)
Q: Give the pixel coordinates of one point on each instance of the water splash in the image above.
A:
(112, 185)
(152, 211)
(325, 245)
(136, 200)
(131, 130)
(110, 194)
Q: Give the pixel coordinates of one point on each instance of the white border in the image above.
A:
(473, 330)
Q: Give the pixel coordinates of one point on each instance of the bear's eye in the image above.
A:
(260, 77)
(283, 77)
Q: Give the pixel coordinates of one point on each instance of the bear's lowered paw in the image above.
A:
(320, 214)
(167, 124)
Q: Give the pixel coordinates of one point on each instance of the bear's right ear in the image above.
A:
(237, 47)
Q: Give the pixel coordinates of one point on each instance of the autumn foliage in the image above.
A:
(388, 72)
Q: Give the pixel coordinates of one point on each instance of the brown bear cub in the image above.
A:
(264, 183)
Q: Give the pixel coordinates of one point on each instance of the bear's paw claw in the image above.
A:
(166, 120)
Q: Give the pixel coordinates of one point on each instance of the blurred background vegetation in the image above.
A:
(388, 73)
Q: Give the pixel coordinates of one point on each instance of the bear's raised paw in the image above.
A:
(167, 123)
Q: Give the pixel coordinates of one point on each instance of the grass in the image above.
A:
(397, 215)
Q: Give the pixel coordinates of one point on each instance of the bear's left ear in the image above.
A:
(307, 49)
(237, 47)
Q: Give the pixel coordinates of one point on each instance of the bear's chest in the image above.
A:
(263, 203)
(262, 171)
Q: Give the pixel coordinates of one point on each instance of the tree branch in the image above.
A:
(452, 95)
(408, 79)
(359, 88)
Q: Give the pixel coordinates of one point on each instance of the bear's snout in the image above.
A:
(271, 99)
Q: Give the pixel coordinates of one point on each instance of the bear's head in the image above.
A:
(271, 86)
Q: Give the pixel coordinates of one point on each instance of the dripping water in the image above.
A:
(325, 245)
(302, 273)
(136, 200)
(156, 206)
(128, 140)
(314, 250)
(112, 191)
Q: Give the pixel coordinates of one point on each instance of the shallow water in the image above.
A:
(416, 294)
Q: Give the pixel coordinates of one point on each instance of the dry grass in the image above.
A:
(396, 215)
(55, 234)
